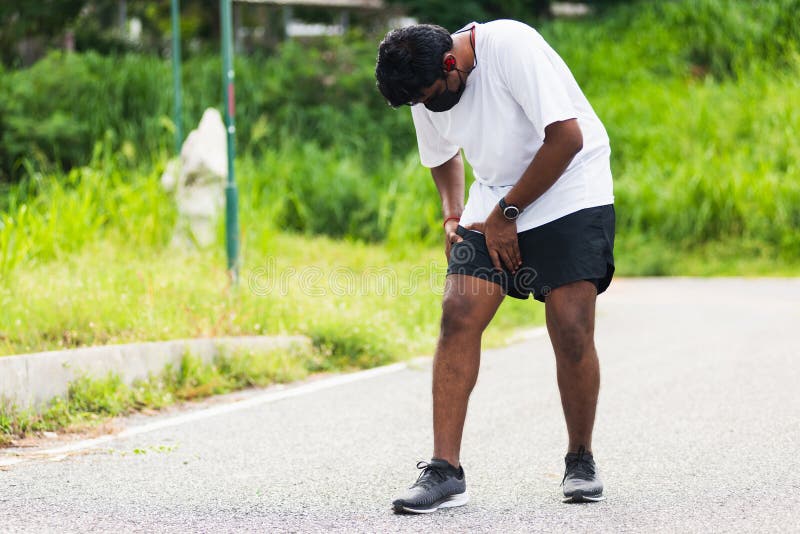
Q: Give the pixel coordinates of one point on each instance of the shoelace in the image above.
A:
(430, 474)
(580, 465)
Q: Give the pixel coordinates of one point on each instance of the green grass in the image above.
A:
(350, 293)
(710, 161)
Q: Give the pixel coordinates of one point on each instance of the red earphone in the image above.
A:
(449, 63)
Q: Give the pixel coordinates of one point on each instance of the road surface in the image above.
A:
(697, 431)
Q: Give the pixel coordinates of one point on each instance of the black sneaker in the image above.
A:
(439, 485)
(581, 482)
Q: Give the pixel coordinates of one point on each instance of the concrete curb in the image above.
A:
(32, 379)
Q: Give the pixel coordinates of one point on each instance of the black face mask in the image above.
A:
(447, 98)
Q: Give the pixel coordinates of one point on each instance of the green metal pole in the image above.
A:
(176, 74)
(231, 194)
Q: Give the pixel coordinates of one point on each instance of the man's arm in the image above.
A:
(449, 180)
(563, 140)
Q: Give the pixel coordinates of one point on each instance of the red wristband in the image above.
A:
(450, 219)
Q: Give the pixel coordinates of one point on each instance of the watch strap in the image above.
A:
(504, 207)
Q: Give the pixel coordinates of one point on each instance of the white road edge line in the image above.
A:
(212, 411)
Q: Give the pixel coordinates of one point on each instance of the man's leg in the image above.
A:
(468, 306)
(570, 322)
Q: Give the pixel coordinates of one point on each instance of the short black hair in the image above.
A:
(410, 59)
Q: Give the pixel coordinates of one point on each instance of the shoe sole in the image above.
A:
(579, 497)
(459, 499)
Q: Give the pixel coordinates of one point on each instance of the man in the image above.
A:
(539, 220)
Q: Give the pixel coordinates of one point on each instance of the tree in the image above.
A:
(22, 22)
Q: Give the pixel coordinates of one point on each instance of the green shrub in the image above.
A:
(53, 112)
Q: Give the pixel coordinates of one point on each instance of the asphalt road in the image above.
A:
(698, 431)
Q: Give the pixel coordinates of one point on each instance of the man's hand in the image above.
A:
(450, 236)
(501, 240)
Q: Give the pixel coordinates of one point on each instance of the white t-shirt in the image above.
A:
(519, 86)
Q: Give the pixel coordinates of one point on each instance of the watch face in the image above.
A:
(511, 212)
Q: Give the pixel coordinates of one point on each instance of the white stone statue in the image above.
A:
(199, 181)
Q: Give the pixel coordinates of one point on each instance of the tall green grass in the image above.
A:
(646, 40)
(710, 161)
(49, 216)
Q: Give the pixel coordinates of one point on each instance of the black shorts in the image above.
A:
(578, 246)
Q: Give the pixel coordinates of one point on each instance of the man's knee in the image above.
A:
(570, 319)
(458, 316)
(573, 340)
(572, 335)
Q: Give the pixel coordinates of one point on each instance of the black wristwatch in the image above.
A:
(510, 211)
